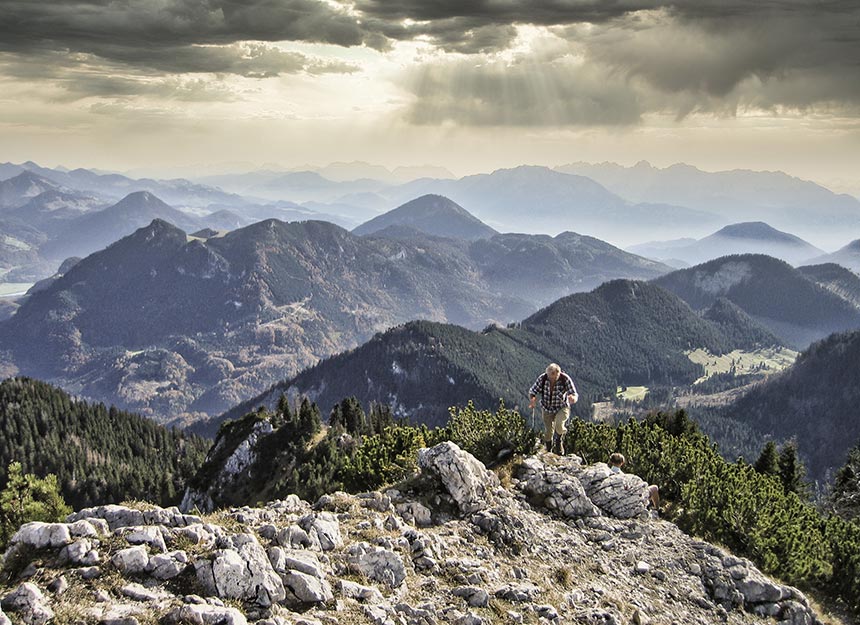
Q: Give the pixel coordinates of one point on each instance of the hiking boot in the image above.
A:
(557, 445)
(548, 445)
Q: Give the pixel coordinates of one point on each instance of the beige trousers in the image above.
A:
(554, 422)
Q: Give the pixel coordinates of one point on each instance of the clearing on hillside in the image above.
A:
(765, 361)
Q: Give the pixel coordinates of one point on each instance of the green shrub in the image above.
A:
(28, 498)
(486, 435)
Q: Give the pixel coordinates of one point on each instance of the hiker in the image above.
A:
(616, 461)
(557, 394)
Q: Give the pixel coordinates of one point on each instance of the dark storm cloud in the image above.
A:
(178, 35)
(640, 56)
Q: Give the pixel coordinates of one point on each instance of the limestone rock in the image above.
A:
(462, 475)
(555, 490)
(167, 565)
(359, 592)
(40, 535)
(622, 495)
(29, 604)
(203, 614)
(303, 588)
(378, 564)
(243, 573)
(323, 529)
(131, 561)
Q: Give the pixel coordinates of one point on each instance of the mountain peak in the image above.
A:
(432, 214)
(756, 230)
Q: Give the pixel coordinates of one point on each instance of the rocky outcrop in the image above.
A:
(546, 548)
(237, 456)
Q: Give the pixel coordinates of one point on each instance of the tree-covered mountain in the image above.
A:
(99, 454)
(431, 214)
(836, 279)
(169, 326)
(742, 238)
(770, 291)
(622, 333)
(816, 401)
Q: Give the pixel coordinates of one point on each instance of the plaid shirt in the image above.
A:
(555, 399)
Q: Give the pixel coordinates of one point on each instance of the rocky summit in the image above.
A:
(553, 541)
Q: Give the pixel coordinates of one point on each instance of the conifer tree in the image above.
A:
(309, 421)
(768, 460)
(791, 469)
(845, 496)
(28, 498)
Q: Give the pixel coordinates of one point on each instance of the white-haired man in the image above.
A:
(557, 394)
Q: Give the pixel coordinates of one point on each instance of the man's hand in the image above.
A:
(572, 399)
(532, 401)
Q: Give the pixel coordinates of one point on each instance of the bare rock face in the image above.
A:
(562, 545)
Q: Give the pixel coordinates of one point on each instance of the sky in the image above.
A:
(211, 85)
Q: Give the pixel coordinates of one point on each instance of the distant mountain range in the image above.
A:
(781, 298)
(624, 332)
(774, 197)
(178, 192)
(431, 214)
(170, 326)
(538, 199)
(743, 238)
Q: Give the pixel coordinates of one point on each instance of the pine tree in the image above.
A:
(28, 498)
(791, 469)
(309, 421)
(768, 461)
(845, 496)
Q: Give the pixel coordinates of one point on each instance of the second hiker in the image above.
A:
(557, 394)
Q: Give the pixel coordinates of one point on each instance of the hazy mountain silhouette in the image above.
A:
(97, 230)
(20, 189)
(847, 256)
(113, 186)
(754, 237)
(432, 214)
(538, 199)
(774, 197)
(836, 279)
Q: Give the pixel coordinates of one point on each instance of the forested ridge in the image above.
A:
(817, 400)
(625, 332)
(99, 454)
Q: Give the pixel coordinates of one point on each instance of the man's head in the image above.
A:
(616, 459)
(553, 371)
